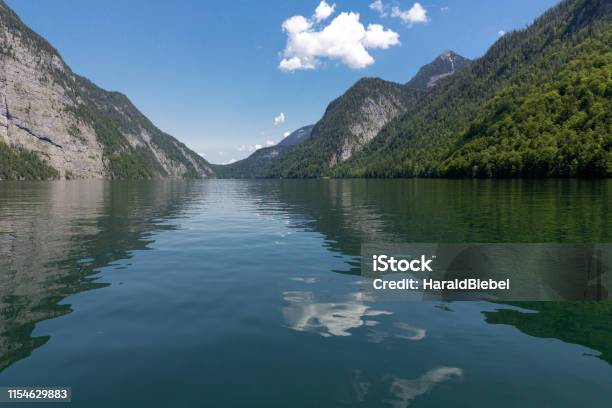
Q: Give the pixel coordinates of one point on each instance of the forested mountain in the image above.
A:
(58, 124)
(537, 104)
(258, 164)
(351, 121)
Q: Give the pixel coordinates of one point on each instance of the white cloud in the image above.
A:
(230, 161)
(292, 64)
(296, 24)
(270, 143)
(416, 14)
(444, 9)
(501, 33)
(323, 11)
(378, 37)
(379, 6)
(344, 39)
(279, 119)
(286, 134)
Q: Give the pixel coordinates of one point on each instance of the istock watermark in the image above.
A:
(384, 263)
(505, 272)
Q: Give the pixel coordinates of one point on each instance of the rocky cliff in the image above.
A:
(354, 119)
(54, 123)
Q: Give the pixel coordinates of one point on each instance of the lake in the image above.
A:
(246, 293)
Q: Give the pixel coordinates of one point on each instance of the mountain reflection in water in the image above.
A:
(54, 236)
(224, 283)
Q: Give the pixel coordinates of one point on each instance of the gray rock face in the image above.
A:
(77, 128)
(374, 113)
(361, 113)
(356, 118)
(446, 64)
(34, 112)
(384, 101)
(350, 122)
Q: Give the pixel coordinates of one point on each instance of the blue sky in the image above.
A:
(211, 73)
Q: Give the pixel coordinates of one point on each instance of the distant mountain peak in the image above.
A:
(445, 64)
(450, 57)
(447, 54)
(297, 136)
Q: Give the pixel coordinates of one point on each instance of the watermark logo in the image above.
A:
(385, 263)
(499, 272)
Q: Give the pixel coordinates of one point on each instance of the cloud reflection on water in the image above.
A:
(304, 313)
(406, 390)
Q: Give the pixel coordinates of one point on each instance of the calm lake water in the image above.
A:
(246, 293)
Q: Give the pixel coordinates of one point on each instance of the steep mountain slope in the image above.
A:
(446, 64)
(297, 137)
(57, 124)
(351, 121)
(537, 104)
(559, 127)
(258, 164)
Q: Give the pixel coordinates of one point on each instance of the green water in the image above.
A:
(246, 293)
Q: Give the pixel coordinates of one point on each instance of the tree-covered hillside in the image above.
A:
(115, 119)
(257, 165)
(20, 164)
(537, 104)
(559, 127)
